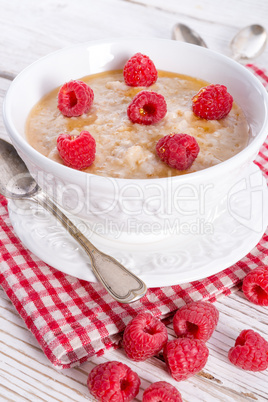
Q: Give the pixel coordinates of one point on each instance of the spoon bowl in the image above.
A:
(183, 33)
(249, 43)
(16, 181)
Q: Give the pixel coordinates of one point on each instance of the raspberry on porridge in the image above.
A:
(147, 107)
(212, 102)
(77, 152)
(139, 71)
(75, 98)
(178, 151)
(128, 150)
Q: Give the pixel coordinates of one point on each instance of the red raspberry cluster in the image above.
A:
(145, 336)
(177, 150)
(147, 107)
(193, 324)
(250, 351)
(74, 99)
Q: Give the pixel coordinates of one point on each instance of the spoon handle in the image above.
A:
(122, 285)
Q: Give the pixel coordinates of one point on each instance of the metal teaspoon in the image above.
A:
(17, 183)
(247, 44)
(184, 33)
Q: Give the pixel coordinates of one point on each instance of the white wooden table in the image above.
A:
(30, 29)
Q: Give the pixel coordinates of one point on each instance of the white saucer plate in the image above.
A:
(191, 253)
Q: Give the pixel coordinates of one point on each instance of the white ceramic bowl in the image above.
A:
(130, 206)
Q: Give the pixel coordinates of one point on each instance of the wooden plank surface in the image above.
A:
(23, 363)
(31, 29)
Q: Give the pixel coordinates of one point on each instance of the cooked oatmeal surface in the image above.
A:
(127, 150)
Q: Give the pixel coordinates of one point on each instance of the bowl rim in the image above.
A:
(47, 164)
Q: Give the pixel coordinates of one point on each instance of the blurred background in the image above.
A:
(52, 24)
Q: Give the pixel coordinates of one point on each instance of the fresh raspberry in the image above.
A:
(196, 320)
(255, 286)
(185, 357)
(113, 381)
(177, 150)
(212, 102)
(75, 98)
(161, 391)
(144, 336)
(140, 71)
(77, 152)
(147, 107)
(250, 351)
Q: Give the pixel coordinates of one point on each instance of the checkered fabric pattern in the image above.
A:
(73, 319)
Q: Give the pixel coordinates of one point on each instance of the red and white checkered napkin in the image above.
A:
(74, 319)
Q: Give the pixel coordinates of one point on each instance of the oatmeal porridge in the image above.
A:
(125, 149)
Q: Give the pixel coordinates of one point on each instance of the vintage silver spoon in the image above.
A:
(17, 183)
(247, 44)
(184, 33)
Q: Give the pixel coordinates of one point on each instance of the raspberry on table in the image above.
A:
(140, 71)
(113, 381)
(75, 98)
(77, 152)
(185, 357)
(144, 336)
(255, 286)
(196, 320)
(250, 351)
(212, 102)
(147, 107)
(161, 391)
(178, 150)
